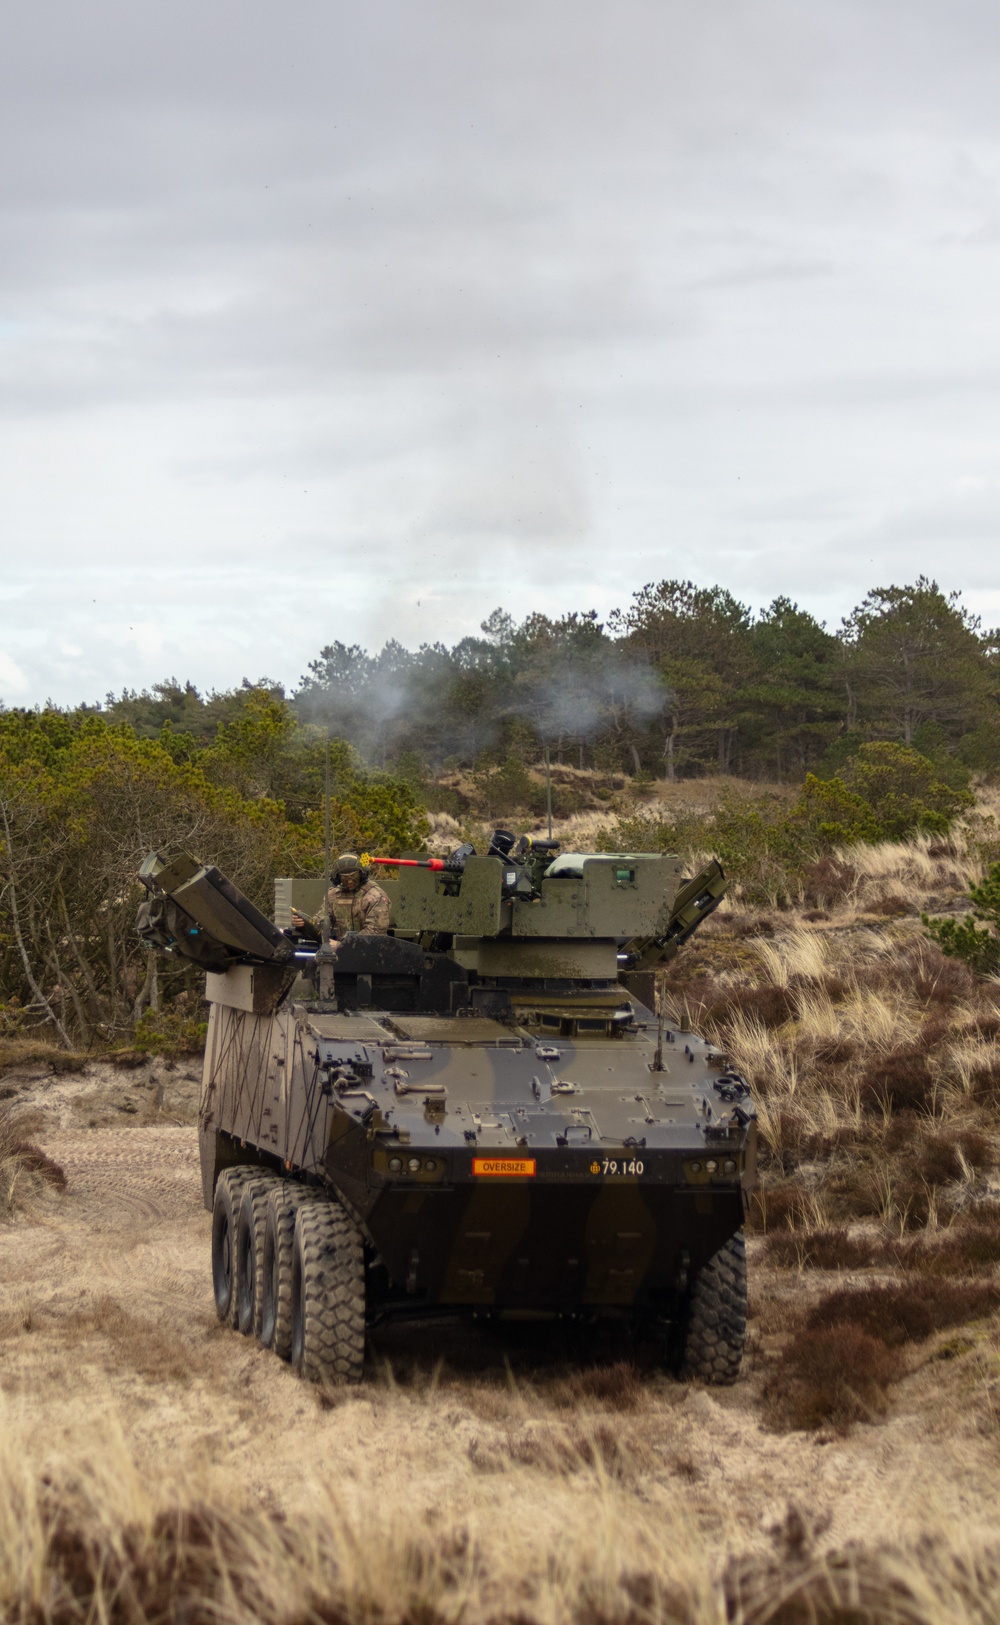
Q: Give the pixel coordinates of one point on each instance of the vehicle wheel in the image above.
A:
(276, 1272)
(225, 1213)
(328, 1295)
(251, 1219)
(717, 1317)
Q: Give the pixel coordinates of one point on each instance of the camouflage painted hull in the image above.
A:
(553, 1243)
(488, 1168)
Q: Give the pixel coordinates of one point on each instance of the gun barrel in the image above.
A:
(412, 863)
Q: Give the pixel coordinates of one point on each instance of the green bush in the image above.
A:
(833, 814)
(884, 792)
(169, 1032)
(905, 790)
(505, 789)
(963, 939)
(83, 801)
(755, 840)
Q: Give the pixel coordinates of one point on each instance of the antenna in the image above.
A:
(658, 1002)
(548, 786)
(327, 922)
(325, 956)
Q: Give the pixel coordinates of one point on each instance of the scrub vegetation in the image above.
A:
(186, 1477)
(871, 1041)
(685, 723)
(104, 1544)
(25, 1170)
(851, 974)
(84, 798)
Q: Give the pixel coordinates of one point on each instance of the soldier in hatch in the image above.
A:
(356, 904)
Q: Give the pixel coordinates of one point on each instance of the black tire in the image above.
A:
(250, 1223)
(225, 1212)
(328, 1295)
(276, 1274)
(716, 1326)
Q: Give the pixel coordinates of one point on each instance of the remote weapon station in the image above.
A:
(478, 1113)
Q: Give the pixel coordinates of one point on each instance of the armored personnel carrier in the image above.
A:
(477, 1114)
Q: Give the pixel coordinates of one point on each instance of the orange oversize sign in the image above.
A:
(504, 1167)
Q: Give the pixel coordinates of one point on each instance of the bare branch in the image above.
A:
(19, 939)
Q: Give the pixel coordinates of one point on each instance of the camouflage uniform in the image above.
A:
(365, 911)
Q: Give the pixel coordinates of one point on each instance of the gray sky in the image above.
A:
(355, 320)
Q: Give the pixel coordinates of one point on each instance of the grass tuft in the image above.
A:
(616, 1387)
(25, 1170)
(32, 1051)
(832, 1248)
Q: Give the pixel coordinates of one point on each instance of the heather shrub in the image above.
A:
(833, 1248)
(902, 1312)
(831, 1378)
(899, 1081)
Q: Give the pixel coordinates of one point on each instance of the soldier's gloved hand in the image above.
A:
(304, 927)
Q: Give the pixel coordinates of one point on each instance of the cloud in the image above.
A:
(14, 682)
(341, 319)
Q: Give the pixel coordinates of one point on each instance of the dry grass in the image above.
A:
(597, 799)
(919, 866)
(615, 1453)
(26, 1172)
(875, 1062)
(30, 1051)
(593, 1491)
(130, 1341)
(968, 1246)
(115, 1089)
(90, 1536)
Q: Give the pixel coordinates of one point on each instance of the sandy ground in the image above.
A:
(107, 1322)
(102, 1094)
